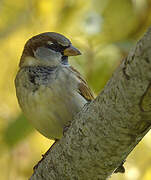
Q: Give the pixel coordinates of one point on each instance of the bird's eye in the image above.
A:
(55, 46)
(50, 43)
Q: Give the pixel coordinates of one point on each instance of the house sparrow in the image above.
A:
(49, 90)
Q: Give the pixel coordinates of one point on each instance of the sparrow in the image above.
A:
(50, 91)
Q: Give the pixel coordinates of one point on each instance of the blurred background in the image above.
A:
(104, 30)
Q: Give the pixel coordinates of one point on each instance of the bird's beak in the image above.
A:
(71, 51)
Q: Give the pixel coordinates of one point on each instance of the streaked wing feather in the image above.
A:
(85, 91)
(83, 88)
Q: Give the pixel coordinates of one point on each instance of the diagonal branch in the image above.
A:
(104, 133)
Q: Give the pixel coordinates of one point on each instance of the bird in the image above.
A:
(49, 90)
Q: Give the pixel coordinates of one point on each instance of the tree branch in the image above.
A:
(103, 134)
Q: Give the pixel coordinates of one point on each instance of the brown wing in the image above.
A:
(83, 88)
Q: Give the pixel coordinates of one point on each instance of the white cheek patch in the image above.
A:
(43, 53)
(47, 56)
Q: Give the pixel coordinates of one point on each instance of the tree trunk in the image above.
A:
(103, 134)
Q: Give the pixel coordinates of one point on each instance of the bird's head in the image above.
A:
(48, 49)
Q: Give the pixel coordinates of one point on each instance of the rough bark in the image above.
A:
(103, 134)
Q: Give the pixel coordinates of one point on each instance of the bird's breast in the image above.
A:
(49, 98)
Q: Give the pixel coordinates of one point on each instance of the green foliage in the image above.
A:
(16, 131)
